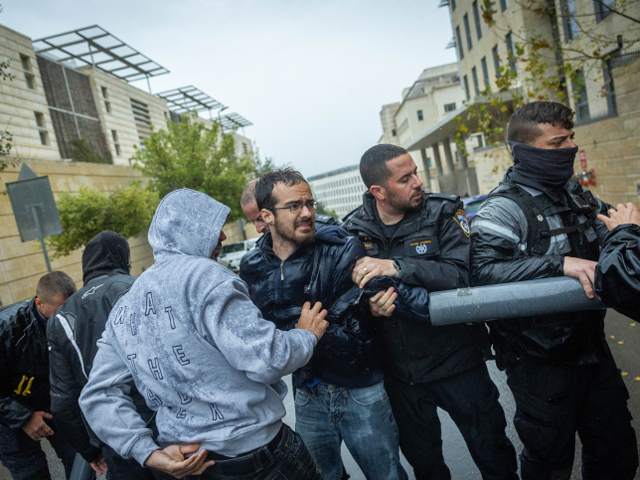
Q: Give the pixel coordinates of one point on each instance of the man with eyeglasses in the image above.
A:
(339, 394)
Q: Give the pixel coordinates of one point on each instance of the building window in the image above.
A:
(104, 92)
(485, 73)
(450, 107)
(420, 116)
(44, 138)
(107, 106)
(31, 81)
(467, 31)
(511, 52)
(569, 23)
(459, 39)
(116, 144)
(607, 72)
(453, 5)
(466, 87)
(603, 9)
(393, 132)
(496, 60)
(580, 97)
(142, 118)
(245, 150)
(474, 77)
(39, 119)
(504, 4)
(476, 19)
(26, 63)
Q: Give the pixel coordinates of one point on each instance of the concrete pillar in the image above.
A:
(447, 155)
(425, 165)
(436, 157)
(464, 162)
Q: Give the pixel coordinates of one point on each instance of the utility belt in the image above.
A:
(249, 462)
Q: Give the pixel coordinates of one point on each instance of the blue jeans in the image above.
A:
(327, 414)
(24, 458)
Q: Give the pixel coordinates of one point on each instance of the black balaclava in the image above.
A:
(551, 168)
(106, 253)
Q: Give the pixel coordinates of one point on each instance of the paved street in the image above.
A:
(625, 346)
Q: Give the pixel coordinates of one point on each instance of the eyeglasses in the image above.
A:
(297, 207)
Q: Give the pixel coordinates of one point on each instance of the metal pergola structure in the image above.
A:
(96, 47)
(189, 99)
(233, 121)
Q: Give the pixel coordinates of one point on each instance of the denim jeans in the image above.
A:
(290, 459)
(327, 414)
(24, 458)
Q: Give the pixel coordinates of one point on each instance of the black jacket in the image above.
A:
(618, 271)
(523, 232)
(433, 244)
(76, 327)
(347, 353)
(24, 365)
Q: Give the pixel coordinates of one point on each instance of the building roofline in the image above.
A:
(337, 171)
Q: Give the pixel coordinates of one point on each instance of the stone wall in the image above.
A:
(22, 264)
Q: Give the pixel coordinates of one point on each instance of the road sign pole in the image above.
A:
(36, 219)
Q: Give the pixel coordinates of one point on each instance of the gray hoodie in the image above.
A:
(196, 347)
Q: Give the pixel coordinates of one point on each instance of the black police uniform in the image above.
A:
(428, 367)
(617, 280)
(559, 367)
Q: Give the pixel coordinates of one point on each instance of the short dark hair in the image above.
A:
(264, 187)
(523, 126)
(55, 284)
(373, 164)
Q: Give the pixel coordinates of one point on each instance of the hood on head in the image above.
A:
(104, 253)
(187, 222)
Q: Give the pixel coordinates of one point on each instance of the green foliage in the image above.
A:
(83, 151)
(5, 135)
(128, 211)
(322, 210)
(188, 155)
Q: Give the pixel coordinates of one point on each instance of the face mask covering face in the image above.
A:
(550, 168)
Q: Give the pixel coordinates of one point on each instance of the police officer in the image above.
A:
(423, 239)
(541, 223)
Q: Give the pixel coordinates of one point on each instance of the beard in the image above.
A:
(404, 205)
(290, 234)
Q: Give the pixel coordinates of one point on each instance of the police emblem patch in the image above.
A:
(461, 219)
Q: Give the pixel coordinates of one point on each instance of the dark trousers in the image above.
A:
(471, 399)
(286, 457)
(120, 468)
(24, 458)
(553, 402)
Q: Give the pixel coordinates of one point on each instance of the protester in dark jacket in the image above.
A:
(24, 383)
(295, 263)
(617, 280)
(541, 223)
(422, 240)
(73, 332)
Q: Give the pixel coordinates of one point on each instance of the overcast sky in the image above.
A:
(311, 75)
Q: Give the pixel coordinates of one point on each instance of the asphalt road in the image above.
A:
(623, 336)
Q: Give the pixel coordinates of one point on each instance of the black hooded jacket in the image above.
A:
(617, 279)
(347, 354)
(75, 328)
(24, 371)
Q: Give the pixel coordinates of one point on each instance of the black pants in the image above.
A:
(556, 401)
(24, 457)
(471, 399)
(285, 457)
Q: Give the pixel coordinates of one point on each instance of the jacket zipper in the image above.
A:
(282, 270)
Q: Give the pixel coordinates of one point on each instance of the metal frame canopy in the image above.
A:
(189, 99)
(95, 46)
(233, 121)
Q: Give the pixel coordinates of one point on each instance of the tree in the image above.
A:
(322, 210)
(5, 135)
(550, 69)
(188, 155)
(128, 211)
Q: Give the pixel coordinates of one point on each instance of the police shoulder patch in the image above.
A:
(461, 219)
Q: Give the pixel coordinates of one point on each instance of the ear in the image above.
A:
(268, 216)
(39, 303)
(379, 192)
